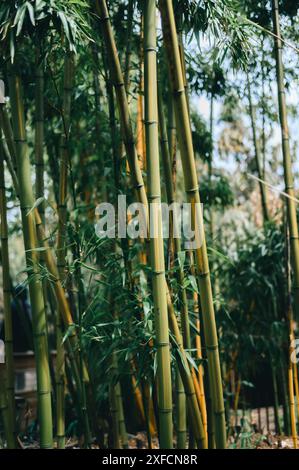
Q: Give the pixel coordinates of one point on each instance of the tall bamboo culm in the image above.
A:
(8, 340)
(189, 380)
(35, 284)
(61, 242)
(257, 154)
(175, 242)
(191, 187)
(287, 161)
(39, 132)
(4, 410)
(122, 101)
(156, 239)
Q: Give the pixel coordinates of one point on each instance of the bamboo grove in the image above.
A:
(182, 340)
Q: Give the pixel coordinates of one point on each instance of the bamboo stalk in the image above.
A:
(276, 399)
(64, 163)
(203, 406)
(98, 126)
(287, 161)
(131, 7)
(59, 292)
(180, 412)
(257, 154)
(39, 132)
(61, 239)
(35, 285)
(296, 385)
(291, 338)
(188, 380)
(175, 243)
(8, 340)
(156, 239)
(8, 133)
(140, 136)
(292, 405)
(4, 410)
(122, 101)
(191, 187)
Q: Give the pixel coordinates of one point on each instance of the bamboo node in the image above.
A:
(165, 410)
(192, 190)
(212, 348)
(162, 345)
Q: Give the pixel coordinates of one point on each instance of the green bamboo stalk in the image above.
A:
(121, 416)
(276, 399)
(8, 133)
(191, 187)
(181, 398)
(186, 375)
(257, 154)
(39, 132)
(98, 124)
(156, 239)
(4, 410)
(35, 284)
(110, 44)
(9, 360)
(171, 135)
(122, 101)
(72, 342)
(81, 308)
(287, 161)
(10, 167)
(60, 385)
(61, 240)
(180, 412)
(64, 163)
(210, 164)
(114, 416)
(115, 391)
(291, 338)
(285, 395)
(176, 241)
(131, 7)
(211, 209)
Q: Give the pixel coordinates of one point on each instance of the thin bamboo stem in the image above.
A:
(180, 412)
(188, 380)
(156, 239)
(257, 154)
(8, 340)
(35, 284)
(122, 101)
(39, 132)
(4, 410)
(287, 161)
(191, 187)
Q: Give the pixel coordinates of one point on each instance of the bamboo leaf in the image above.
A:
(36, 204)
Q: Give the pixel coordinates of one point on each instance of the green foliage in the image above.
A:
(201, 137)
(216, 192)
(26, 18)
(254, 319)
(203, 76)
(220, 21)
